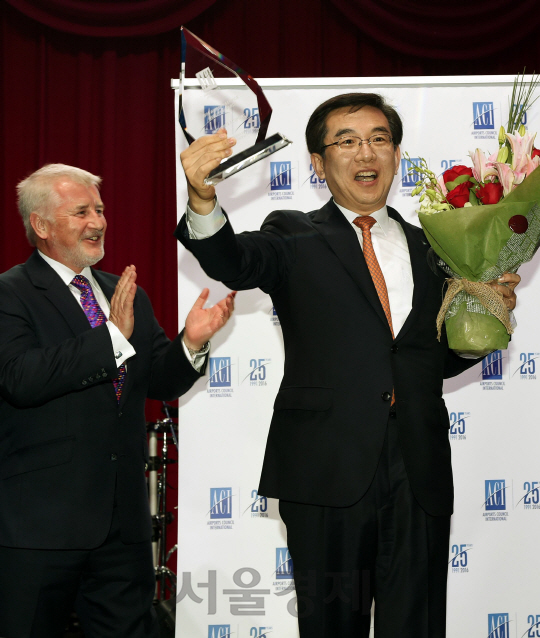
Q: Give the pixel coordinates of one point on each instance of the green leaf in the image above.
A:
(473, 199)
(459, 180)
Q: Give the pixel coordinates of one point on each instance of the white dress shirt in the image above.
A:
(122, 348)
(392, 252)
(389, 244)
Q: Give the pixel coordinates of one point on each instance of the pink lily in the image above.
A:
(521, 149)
(442, 185)
(506, 177)
(482, 166)
(518, 178)
(531, 164)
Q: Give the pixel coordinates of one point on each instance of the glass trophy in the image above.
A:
(224, 96)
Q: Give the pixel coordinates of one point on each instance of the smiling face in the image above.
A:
(359, 182)
(74, 232)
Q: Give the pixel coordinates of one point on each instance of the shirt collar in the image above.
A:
(65, 273)
(380, 216)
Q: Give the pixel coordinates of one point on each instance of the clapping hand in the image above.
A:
(203, 323)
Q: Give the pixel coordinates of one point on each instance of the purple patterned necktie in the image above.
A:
(95, 316)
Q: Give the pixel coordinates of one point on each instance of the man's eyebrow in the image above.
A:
(350, 131)
(81, 207)
(344, 131)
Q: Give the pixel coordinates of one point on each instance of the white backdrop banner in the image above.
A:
(234, 570)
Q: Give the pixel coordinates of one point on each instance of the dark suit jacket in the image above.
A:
(341, 363)
(66, 446)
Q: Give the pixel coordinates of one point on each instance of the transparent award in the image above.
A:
(225, 97)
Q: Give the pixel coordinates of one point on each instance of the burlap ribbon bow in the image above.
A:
(492, 300)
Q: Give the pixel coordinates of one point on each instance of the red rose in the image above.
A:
(490, 193)
(535, 152)
(453, 173)
(459, 195)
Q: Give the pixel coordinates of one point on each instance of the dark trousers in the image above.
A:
(111, 587)
(384, 547)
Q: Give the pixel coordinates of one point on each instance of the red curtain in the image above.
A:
(88, 83)
(117, 19)
(450, 30)
(78, 87)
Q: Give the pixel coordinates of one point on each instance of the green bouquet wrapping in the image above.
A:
(476, 245)
(483, 221)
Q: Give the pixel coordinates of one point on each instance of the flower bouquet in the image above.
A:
(482, 222)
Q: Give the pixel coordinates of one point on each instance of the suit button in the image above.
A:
(120, 413)
(98, 376)
(90, 379)
(104, 375)
(394, 349)
(114, 457)
(386, 396)
(85, 382)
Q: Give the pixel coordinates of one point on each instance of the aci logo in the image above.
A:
(408, 176)
(280, 176)
(220, 372)
(495, 495)
(284, 565)
(492, 367)
(274, 317)
(214, 118)
(219, 631)
(498, 626)
(483, 115)
(220, 502)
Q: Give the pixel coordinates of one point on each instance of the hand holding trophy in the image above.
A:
(215, 106)
(203, 156)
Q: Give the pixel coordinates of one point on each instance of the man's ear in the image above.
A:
(39, 225)
(317, 161)
(397, 155)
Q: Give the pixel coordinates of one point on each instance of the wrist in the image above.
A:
(196, 348)
(201, 206)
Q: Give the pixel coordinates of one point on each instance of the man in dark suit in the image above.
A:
(358, 449)
(80, 351)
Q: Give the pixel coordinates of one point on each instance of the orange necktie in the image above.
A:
(365, 222)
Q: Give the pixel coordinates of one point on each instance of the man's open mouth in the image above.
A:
(365, 176)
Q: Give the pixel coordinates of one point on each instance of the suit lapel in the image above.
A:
(105, 284)
(342, 239)
(418, 247)
(55, 290)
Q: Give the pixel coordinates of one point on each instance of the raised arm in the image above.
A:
(201, 157)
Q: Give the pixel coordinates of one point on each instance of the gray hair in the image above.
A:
(36, 192)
